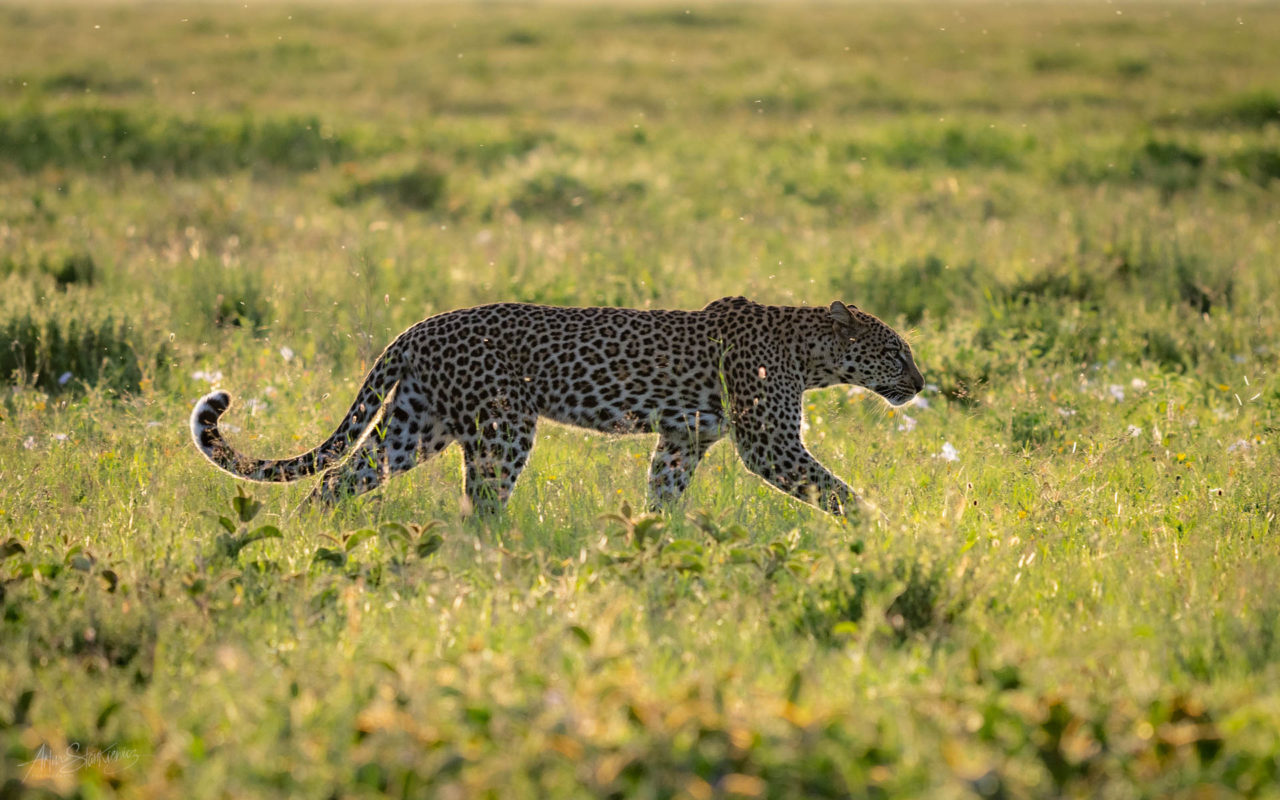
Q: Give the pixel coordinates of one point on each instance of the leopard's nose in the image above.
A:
(917, 380)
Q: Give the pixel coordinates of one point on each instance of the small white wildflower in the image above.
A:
(908, 423)
(208, 377)
(1138, 383)
(269, 391)
(59, 437)
(949, 452)
(931, 387)
(1239, 444)
(1066, 412)
(232, 428)
(286, 353)
(1134, 431)
(921, 401)
(255, 405)
(1117, 391)
(29, 443)
(63, 378)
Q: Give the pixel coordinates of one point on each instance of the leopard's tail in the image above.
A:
(377, 388)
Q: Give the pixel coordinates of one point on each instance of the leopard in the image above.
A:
(483, 377)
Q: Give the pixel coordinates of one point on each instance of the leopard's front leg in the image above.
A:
(766, 421)
(675, 458)
(794, 470)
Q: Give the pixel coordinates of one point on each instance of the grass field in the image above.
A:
(1068, 583)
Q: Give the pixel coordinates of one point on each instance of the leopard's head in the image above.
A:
(869, 353)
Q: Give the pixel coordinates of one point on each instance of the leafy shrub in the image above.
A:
(487, 152)
(1161, 347)
(929, 286)
(920, 601)
(687, 18)
(1057, 281)
(59, 355)
(1254, 109)
(523, 37)
(214, 296)
(1056, 60)
(94, 138)
(1169, 166)
(1258, 164)
(1178, 275)
(1173, 167)
(238, 302)
(1132, 67)
(559, 194)
(552, 194)
(419, 188)
(88, 81)
(1030, 428)
(956, 147)
(74, 268)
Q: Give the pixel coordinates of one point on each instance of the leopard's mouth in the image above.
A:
(896, 395)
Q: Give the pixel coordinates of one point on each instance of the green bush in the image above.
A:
(1031, 428)
(915, 598)
(555, 194)
(558, 195)
(1259, 164)
(70, 269)
(1169, 166)
(420, 188)
(928, 286)
(58, 355)
(956, 147)
(1252, 109)
(97, 138)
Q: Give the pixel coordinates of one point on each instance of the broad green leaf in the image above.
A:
(261, 532)
(354, 538)
(395, 530)
(246, 507)
(581, 634)
(109, 579)
(335, 557)
(429, 544)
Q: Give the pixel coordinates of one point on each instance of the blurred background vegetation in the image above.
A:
(1065, 585)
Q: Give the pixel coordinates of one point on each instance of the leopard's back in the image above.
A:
(610, 369)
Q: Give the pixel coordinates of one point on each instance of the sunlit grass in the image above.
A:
(1063, 583)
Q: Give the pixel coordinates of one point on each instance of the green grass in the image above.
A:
(1071, 211)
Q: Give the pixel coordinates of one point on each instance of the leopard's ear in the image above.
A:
(842, 315)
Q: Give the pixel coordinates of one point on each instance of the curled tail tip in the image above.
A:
(204, 417)
(216, 402)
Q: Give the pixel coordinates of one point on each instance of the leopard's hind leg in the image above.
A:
(495, 448)
(396, 444)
